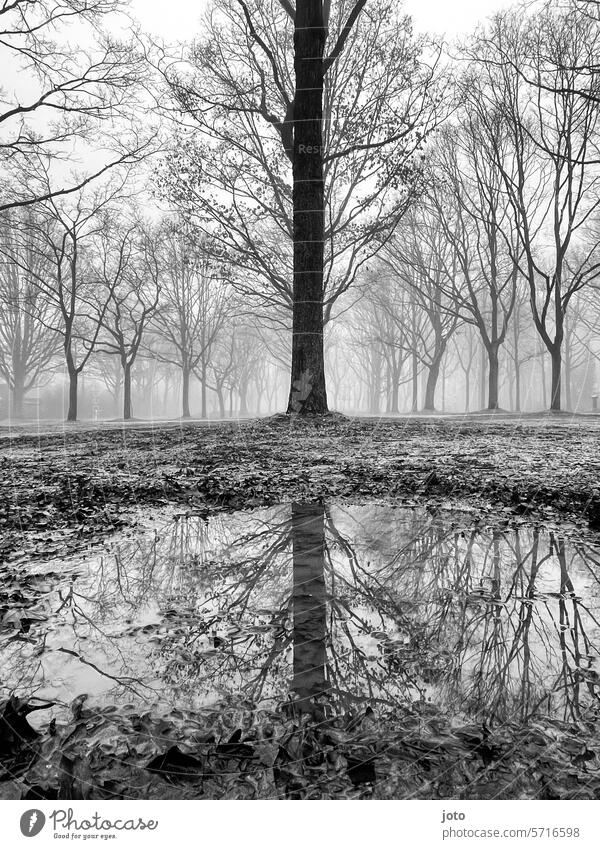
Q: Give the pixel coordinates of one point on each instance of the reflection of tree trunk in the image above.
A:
(569, 623)
(309, 603)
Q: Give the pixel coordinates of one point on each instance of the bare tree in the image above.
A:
(420, 258)
(474, 217)
(60, 236)
(129, 270)
(549, 161)
(265, 93)
(28, 347)
(195, 303)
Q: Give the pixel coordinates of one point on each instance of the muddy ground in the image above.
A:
(65, 487)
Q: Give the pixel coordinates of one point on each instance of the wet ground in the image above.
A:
(305, 650)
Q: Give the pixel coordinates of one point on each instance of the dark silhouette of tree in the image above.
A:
(266, 93)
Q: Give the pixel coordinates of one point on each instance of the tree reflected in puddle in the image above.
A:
(307, 651)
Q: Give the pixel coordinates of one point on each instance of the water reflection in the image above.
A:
(321, 610)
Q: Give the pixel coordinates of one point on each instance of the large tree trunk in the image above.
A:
(308, 392)
(432, 379)
(493, 377)
(73, 380)
(185, 393)
(309, 604)
(127, 410)
(556, 378)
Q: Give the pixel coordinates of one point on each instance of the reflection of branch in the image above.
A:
(124, 681)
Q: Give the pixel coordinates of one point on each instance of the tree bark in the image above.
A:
(73, 380)
(127, 410)
(493, 377)
(185, 393)
(556, 379)
(432, 379)
(308, 391)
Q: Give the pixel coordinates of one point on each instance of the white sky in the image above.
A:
(177, 19)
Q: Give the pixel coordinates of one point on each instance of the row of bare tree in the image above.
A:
(94, 283)
(330, 178)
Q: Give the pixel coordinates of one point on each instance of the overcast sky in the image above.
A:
(178, 18)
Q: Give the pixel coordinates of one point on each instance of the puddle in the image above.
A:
(345, 606)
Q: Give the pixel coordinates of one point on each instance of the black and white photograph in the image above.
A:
(299, 412)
